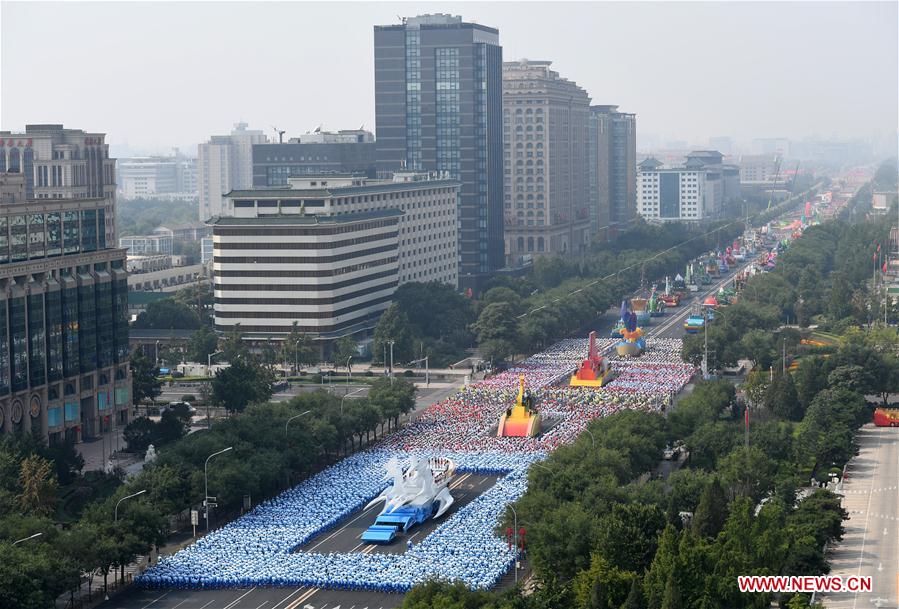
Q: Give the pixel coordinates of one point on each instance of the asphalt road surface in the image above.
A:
(870, 545)
(465, 488)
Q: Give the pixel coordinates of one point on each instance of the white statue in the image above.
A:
(151, 454)
(422, 484)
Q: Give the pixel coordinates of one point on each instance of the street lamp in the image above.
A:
(296, 357)
(391, 342)
(209, 360)
(206, 482)
(122, 499)
(349, 374)
(156, 353)
(592, 439)
(515, 537)
(296, 416)
(346, 396)
(27, 538)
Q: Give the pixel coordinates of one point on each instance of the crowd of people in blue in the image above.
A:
(262, 548)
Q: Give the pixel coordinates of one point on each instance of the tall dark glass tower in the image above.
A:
(438, 107)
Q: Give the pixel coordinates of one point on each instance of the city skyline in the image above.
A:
(189, 74)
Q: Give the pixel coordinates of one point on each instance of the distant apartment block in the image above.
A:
(157, 177)
(328, 251)
(224, 163)
(348, 151)
(696, 191)
(758, 167)
(546, 158)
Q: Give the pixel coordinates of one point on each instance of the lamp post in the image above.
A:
(156, 354)
(515, 537)
(592, 438)
(296, 416)
(390, 342)
(209, 360)
(296, 357)
(206, 483)
(346, 396)
(27, 538)
(122, 499)
(349, 375)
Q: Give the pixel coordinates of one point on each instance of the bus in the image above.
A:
(886, 417)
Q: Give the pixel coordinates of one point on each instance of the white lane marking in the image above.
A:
(283, 600)
(207, 604)
(861, 554)
(263, 603)
(154, 600)
(181, 603)
(237, 600)
(302, 598)
(343, 528)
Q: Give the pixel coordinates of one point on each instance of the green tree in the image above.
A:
(240, 384)
(342, 350)
(139, 434)
(297, 348)
(635, 598)
(392, 325)
(747, 472)
(758, 345)
(502, 294)
(144, 384)
(166, 314)
(662, 567)
(711, 512)
(672, 598)
(38, 483)
(232, 345)
(602, 585)
(496, 350)
(202, 343)
(628, 536)
(496, 322)
(782, 399)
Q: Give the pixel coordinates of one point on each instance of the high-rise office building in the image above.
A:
(346, 151)
(63, 288)
(696, 191)
(157, 177)
(224, 163)
(613, 170)
(545, 120)
(438, 107)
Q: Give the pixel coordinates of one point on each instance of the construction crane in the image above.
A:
(280, 133)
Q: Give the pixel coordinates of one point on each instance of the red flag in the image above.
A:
(884, 267)
(878, 247)
(874, 258)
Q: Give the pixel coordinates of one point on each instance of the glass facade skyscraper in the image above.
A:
(438, 107)
(64, 369)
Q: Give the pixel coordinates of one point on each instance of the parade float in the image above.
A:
(679, 284)
(671, 297)
(655, 305)
(692, 286)
(711, 265)
(595, 370)
(520, 421)
(640, 308)
(632, 341)
(418, 492)
(695, 323)
(709, 305)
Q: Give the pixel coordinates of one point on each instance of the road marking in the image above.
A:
(207, 604)
(302, 598)
(861, 555)
(263, 603)
(154, 600)
(275, 606)
(357, 547)
(343, 528)
(181, 603)
(237, 600)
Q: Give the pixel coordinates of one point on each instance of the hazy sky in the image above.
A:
(160, 74)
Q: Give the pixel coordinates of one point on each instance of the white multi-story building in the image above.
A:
(157, 177)
(140, 245)
(336, 240)
(225, 163)
(677, 193)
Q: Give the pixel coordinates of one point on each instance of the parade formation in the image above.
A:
(455, 436)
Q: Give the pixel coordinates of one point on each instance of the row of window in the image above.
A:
(62, 333)
(310, 273)
(33, 236)
(305, 301)
(301, 314)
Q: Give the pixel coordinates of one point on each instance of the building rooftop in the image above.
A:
(307, 219)
(368, 186)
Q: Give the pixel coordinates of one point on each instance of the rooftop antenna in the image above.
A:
(318, 129)
(280, 133)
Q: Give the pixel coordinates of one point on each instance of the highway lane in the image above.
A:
(870, 546)
(464, 488)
